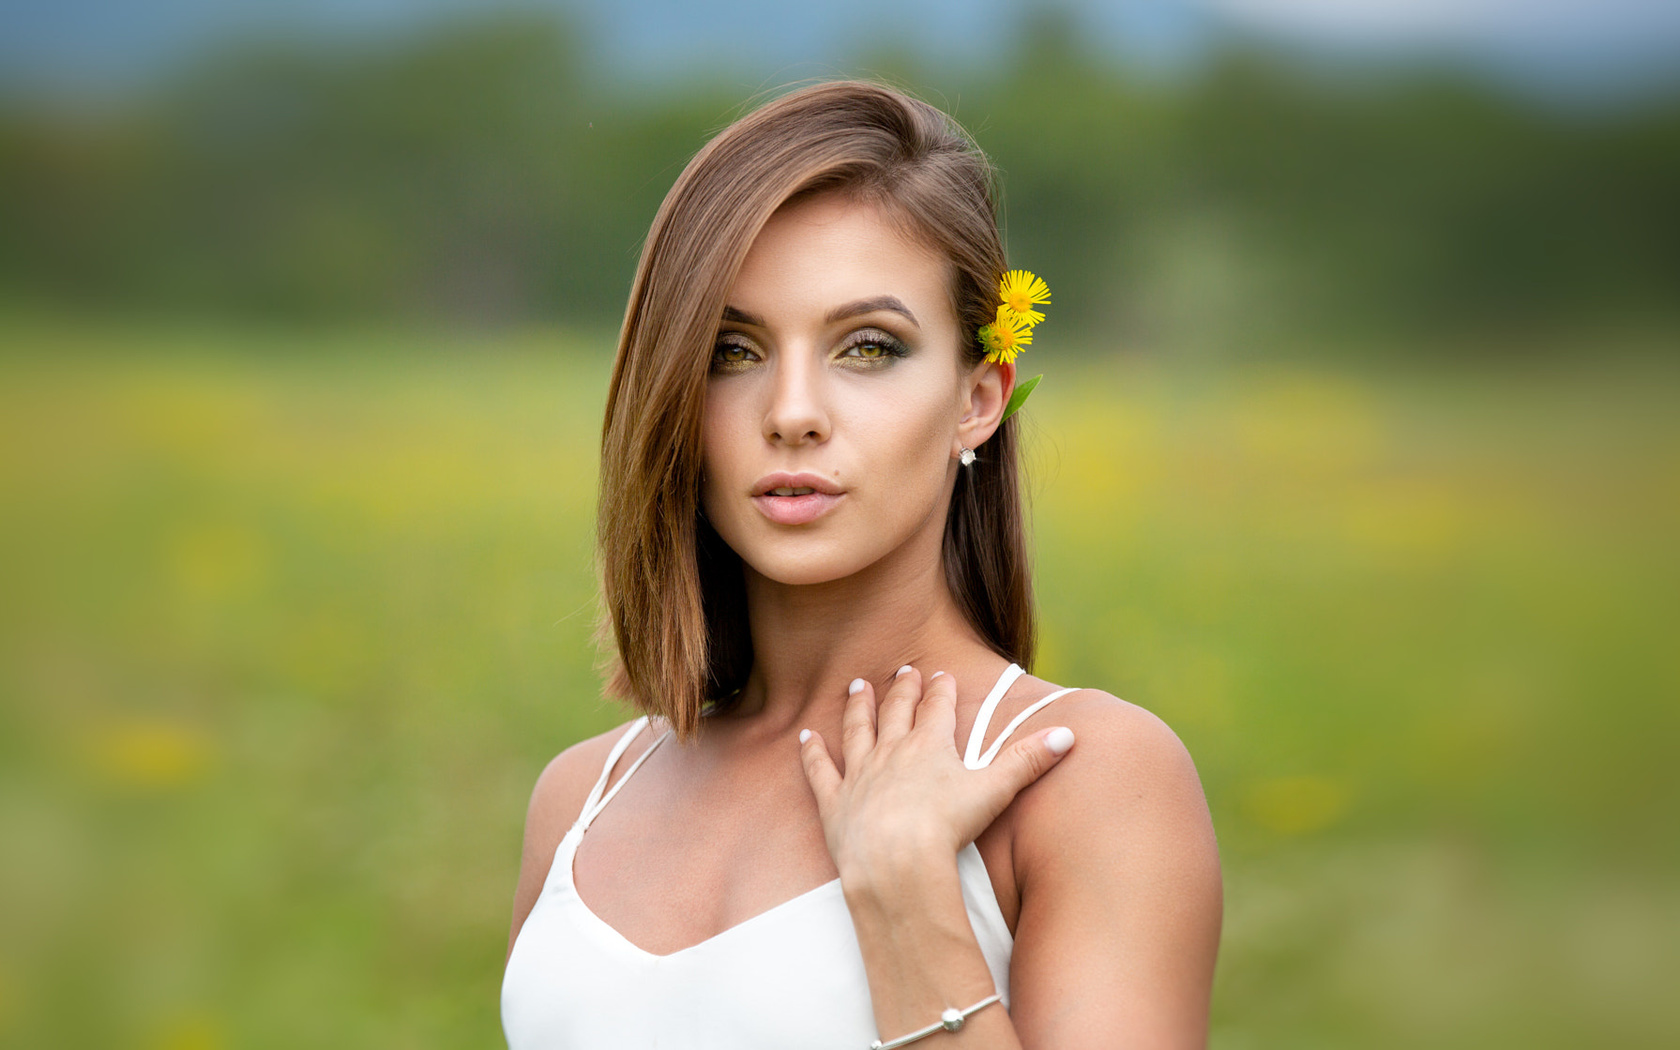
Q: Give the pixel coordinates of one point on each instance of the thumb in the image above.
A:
(1022, 763)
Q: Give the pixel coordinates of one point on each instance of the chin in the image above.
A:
(797, 571)
(805, 560)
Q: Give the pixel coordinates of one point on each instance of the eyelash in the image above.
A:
(890, 348)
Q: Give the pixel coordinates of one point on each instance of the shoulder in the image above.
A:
(1116, 743)
(564, 783)
(556, 802)
(1129, 787)
(1118, 871)
(1120, 745)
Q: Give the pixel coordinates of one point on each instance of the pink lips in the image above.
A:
(795, 510)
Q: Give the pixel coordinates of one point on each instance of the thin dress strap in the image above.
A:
(971, 757)
(596, 801)
(1015, 723)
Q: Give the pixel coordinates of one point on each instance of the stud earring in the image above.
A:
(967, 457)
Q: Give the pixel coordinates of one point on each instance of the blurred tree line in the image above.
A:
(492, 173)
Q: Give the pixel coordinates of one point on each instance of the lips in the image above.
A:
(798, 482)
(796, 510)
(795, 499)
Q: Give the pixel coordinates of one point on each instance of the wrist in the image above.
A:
(951, 1019)
(918, 939)
(900, 883)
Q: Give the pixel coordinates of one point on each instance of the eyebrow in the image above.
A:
(839, 313)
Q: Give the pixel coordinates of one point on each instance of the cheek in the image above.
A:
(909, 441)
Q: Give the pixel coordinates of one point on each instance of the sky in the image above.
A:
(1589, 45)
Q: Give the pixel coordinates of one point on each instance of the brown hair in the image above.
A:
(673, 592)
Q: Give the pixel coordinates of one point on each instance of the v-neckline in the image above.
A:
(611, 933)
(613, 936)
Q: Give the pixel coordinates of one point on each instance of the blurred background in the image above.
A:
(1356, 460)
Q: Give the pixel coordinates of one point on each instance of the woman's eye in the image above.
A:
(873, 347)
(731, 355)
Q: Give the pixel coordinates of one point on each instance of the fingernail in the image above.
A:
(901, 670)
(855, 688)
(935, 674)
(1058, 740)
(804, 735)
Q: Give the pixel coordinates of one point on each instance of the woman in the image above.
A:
(815, 575)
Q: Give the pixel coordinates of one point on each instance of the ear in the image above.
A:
(986, 391)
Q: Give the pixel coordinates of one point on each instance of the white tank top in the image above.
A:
(789, 976)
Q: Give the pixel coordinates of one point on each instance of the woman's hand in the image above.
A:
(906, 798)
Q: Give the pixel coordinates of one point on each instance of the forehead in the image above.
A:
(828, 249)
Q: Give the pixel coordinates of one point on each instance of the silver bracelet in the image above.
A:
(949, 1021)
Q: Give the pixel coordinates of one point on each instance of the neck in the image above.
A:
(810, 641)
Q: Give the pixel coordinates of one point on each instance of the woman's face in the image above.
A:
(836, 381)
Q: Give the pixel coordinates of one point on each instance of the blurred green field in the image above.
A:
(291, 624)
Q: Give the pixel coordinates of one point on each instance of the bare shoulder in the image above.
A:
(1118, 869)
(1124, 753)
(556, 802)
(564, 783)
(1129, 776)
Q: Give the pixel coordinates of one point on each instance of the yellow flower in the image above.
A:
(1020, 291)
(1006, 337)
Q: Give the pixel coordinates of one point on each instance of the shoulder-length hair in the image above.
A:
(673, 593)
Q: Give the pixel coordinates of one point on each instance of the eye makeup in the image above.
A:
(865, 349)
(728, 344)
(884, 345)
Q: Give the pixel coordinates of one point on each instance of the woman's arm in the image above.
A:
(1114, 856)
(1121, 897)
(921, 956)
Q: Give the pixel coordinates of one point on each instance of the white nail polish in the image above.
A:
(804, 735)
(901, 670)
(1058, 740)
(855, 688)
(935, 674)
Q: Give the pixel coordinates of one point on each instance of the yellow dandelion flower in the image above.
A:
(1006, 337)
(1020, 291)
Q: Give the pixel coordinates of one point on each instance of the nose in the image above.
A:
(797, 412)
